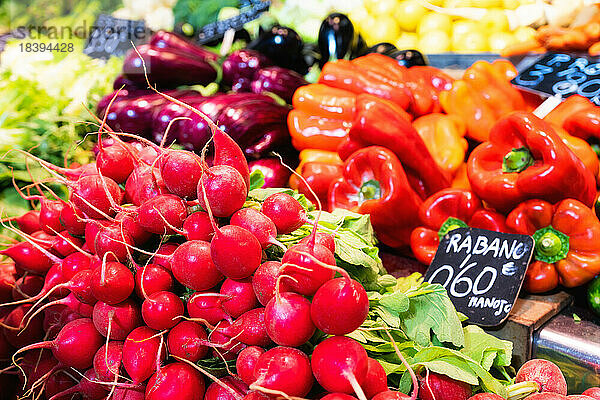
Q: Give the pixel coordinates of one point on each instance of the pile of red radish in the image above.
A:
(154, 264)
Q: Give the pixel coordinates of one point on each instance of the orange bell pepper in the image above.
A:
(482, 96)
(316, 132)
(444, 137)
(325, 101)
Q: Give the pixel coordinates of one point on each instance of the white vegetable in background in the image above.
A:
(158, 14)
(160, 18)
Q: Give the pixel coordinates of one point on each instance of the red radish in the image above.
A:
(227, 152)
(121, 393)
(27, 287)
(322, 238)
(285, 211)
(175, 381)
(224, 345)
(339, 364)
(95, 196)
(14, 323)
(87, 387)
(236, 389)
(283, 370)
(143, 184)
(58, 382)
(287, 319)
(152, 278)
(264, 281)
(235, 251)
(131, 228)
(207, 307)
(141, 353)
(258, 224)
(351, 306)
(547, 396)
(197, 226)
(122, 318)
(305, 265)
(163, 255)
(579, 397)
(115, 162)
(225, 190)
(29, 222)
(246, 362)
(8, 274)
(545, 373)
(107, 361)
(486, 396)
(338, 396)
(181, 171)
(257, 396)
(592, 392)
(112, 282)
(50, 215)
(65, 244)
(391, 395)
(187, 340)
(193, 267)
(162, 310)
(434, 386)
(92, 228)
(376, 380)
(29, 257)
(75, 346)
(113, 241)
(71, 302)
(162, 214)
(249, 328)
(238, 297)
(73, 220)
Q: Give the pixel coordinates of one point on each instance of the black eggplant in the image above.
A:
(338, 39)
(409, 58)
(283, 46)
(384, 48)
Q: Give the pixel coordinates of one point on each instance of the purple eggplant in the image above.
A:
(122, 82)
(280, 81)
(283, 46)
(194, 133)
(163, 117)
(257, 126)
(276, 175)
(170, 40)
(243, 64)
(134, 114)
(167, 67)
(119, 95)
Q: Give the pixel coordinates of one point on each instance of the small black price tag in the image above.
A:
(250, 10)
(113, 36)
(482, 271)
(563, 75)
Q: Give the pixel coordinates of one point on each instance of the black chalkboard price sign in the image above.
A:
(563, 75)
(482, 271)
(113, 36)
(249, 11)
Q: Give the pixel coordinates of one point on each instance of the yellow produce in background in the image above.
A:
(409, 13)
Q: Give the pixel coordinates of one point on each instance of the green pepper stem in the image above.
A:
(520, 390)
(551, 245)
(369, 190)
(449, 225)
(517, 160)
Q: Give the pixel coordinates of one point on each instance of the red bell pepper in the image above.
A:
(524, 159)
(567, 243)
(378, 122)
(375, 183)
(447, 210)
